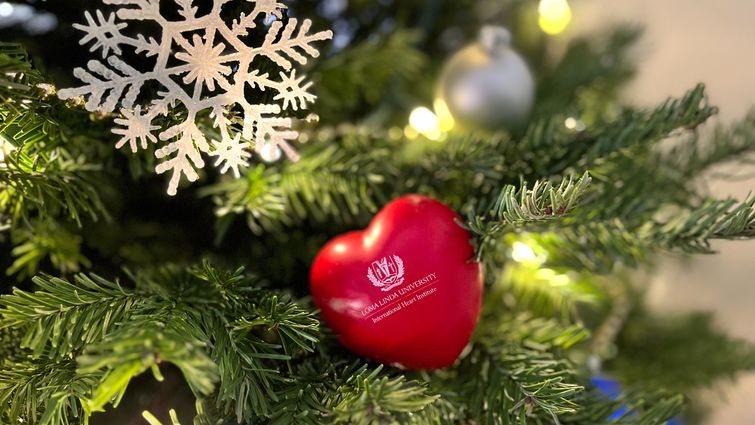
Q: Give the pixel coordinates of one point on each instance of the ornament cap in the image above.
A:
(494, 38)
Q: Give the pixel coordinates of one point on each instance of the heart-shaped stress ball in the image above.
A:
(404, 291)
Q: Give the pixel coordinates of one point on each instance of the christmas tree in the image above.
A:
(122, 303)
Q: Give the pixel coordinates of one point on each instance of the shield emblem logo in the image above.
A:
(387, 272)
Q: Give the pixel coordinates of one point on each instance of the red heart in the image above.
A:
(405, 290)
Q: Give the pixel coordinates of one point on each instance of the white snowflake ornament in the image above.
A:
(201, 64)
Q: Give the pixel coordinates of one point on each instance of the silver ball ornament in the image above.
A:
(487, 84)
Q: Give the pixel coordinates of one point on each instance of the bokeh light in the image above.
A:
(446, 120)
(555, 16)
(270, 153)
(425, 122)
(6, 9)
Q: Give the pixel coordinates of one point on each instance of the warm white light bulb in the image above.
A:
(521, 253)
(270, 152)
(6, 9)
(423, 120)
(5, 149)
(446, 120)
(555, 16)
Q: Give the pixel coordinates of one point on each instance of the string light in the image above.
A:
(446, 120)
(425, 122)
(6, 9)
(574, 124)
(395, 133)
(528, 252)
(553, 277)
(270, 152)
(522, 253)
(555, 16)
(410, 133)
(5, 149)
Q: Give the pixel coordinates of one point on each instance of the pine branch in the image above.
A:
(545, 334)
(45, 239)
(590, 64)
(219, 328)
(634, 190)
(367, 398)
(249, 333)
(274, 331)
(203, 285)
(62, 317)
(303, 400)
(361, 75)
(600, 246)
(635, 187)
(514, 372)
(687, 112)
(10, 345)
(517, 207)
(254, 195)
(203, 416)
(640, 407)
(542, 202)
(231, 288)
(716, 219)
(735, 143)
(42, 179)
(596, 247)
(44, 392)
(18, 79)
(41, 174)
(464, 171)
(678, 352)
(347, 174)
(525, 284)
(281, 319)
(510, 383)
(146, 341)
(557, 148)
(328, 390)
(152, 420)
(335, 182)
(43, 183)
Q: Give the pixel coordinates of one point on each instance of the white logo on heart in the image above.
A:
(386, 273)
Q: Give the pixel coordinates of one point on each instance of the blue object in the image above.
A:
(612, 389)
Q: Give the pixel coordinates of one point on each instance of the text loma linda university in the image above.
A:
(393, 298)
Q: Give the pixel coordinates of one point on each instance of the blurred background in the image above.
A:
(686, 42)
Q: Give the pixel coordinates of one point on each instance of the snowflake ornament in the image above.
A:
(201, 64)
